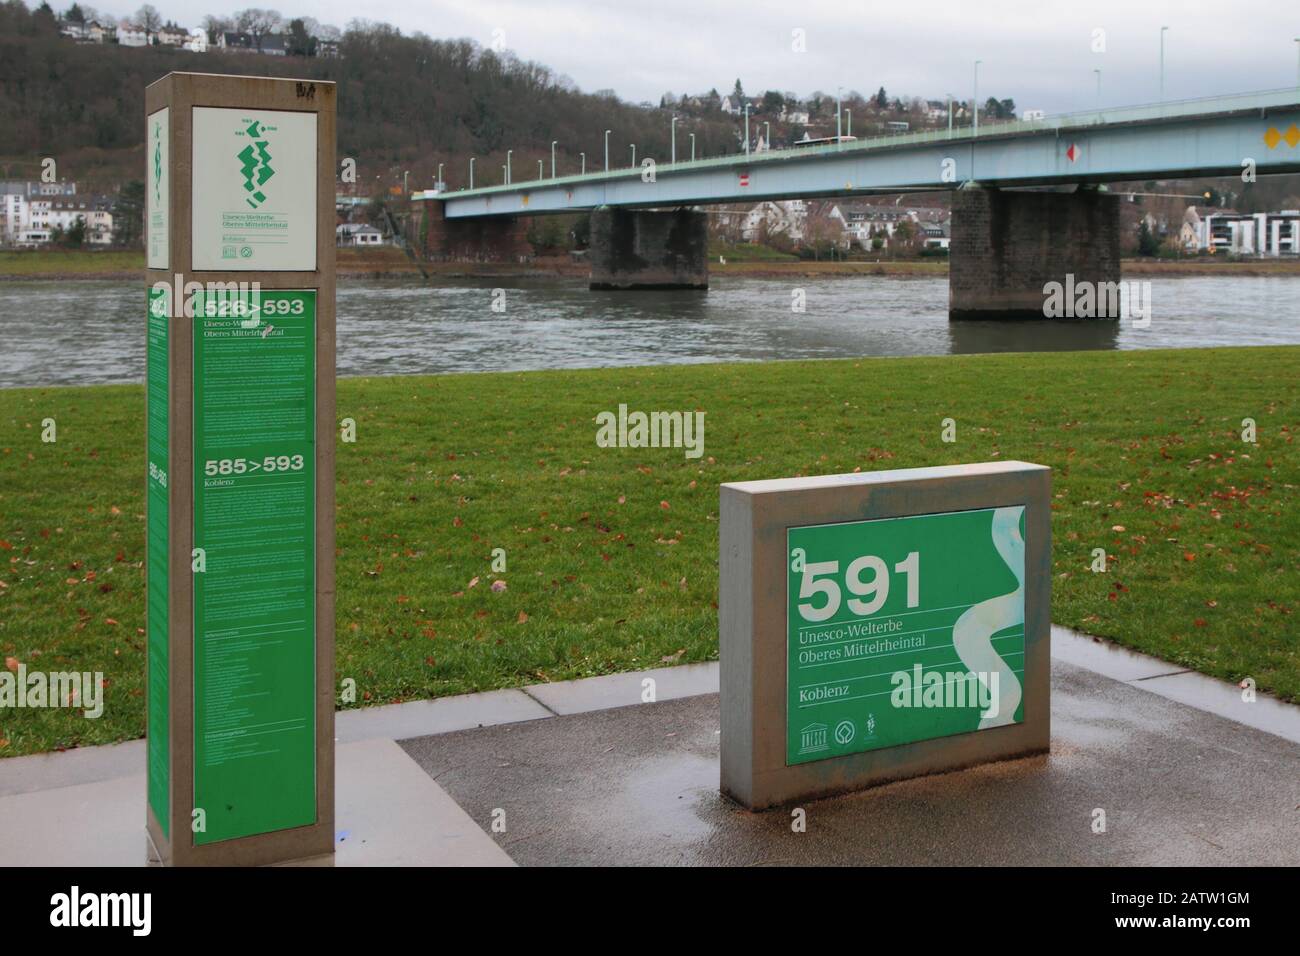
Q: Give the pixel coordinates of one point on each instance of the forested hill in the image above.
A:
(405, 103)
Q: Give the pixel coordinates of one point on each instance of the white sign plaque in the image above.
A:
(158, 186)
(254, 190)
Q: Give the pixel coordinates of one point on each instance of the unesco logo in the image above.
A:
(845, 731)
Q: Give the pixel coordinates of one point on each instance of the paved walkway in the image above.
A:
(584, 772)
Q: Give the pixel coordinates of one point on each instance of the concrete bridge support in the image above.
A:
(496, 239)
(1007, 245)
(649, 249)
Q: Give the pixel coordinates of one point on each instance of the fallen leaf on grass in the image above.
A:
(12, 664)
(522, 618)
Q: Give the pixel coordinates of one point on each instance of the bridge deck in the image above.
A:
(1201, 137)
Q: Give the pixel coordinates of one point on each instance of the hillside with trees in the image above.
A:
(405, 103)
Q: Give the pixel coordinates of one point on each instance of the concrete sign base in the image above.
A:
(879, 626)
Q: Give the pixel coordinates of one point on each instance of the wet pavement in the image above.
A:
(638, 786)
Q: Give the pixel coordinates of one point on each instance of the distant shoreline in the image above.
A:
(390, 263)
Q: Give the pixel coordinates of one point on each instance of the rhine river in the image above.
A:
(87, 332)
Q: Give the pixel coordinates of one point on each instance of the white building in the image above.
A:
(198, 41)
(128, 34)
(770, 219)
(358, 234)
(1241, 234)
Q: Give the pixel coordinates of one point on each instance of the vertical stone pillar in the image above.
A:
(488, 239)
(240, 483)
(649, 249)
(1006, 246)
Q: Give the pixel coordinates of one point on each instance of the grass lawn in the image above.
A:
(612, 553)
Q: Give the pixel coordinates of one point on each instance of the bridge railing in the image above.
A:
(1167, 110)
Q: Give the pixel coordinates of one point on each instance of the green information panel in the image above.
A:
(254, 600)
(903, 629)
(157, 549)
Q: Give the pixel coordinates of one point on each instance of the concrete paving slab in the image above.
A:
(1103, 657)
(1219, 697)
(90, 824)
(389, 813)
(623, 690)
(421, 717)
(639, 785)
(70, 767)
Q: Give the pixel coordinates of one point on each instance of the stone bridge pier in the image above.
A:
(1006, 246)
(649, 249)
(495, 239)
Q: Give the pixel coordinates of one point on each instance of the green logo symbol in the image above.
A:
(256, 165)
(157, 162)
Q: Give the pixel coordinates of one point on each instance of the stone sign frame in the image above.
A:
(180, 93)
(753, 520)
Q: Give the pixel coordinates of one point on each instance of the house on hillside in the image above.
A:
(128, 34)
(358, 234)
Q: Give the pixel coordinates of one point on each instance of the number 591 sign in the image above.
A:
(903, 629)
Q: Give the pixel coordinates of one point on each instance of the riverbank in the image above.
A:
(612, 554)
(389, 262)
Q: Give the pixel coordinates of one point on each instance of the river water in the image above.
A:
(84, 332)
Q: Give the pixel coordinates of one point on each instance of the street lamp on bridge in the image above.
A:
(673, 132)
(633, 145)
(584, 163)
(539, 171)
(746, 129)
(553, 145)
(1162, 63)
(471, 172)
(975, 97)
(509, 153)
(440, 165)
(606, 150)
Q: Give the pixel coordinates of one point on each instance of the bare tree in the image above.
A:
(148, 19)
(258, 23)
(215, 26)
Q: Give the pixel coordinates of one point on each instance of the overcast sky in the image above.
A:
(1040, 54)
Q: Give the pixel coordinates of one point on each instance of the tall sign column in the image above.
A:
(240, 504)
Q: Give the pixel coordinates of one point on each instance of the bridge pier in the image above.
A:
(1007, 245)
(649, 249)
(496, 239)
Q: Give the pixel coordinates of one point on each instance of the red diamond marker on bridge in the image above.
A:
(1074, 152)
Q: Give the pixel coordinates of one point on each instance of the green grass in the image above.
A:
(612, 553)
(37, 263)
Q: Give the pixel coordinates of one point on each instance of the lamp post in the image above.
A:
(692, 147)
(509, 153)
(848, 131)
(673, 132)
(975, 96)
(746, 129)
(584, 163)
(767, 136)
(633, 145)
(405, 174)
(553, 143)
(1162, 63)
(471, 172)
(440, 165)
(949, 114)
(606, 150)
(539, 171)
(839, 116)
